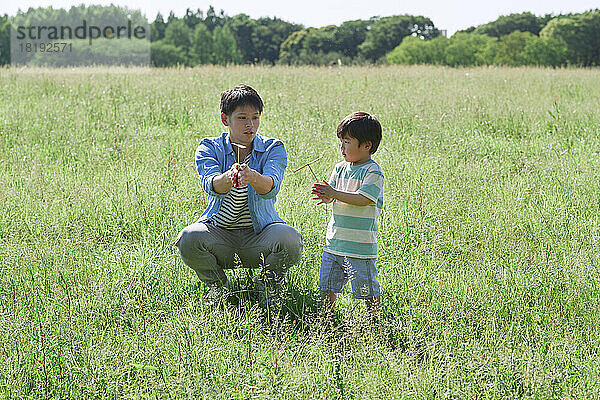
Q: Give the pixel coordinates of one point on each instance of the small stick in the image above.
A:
(308, 165)
(238, 146)
(316, 179)
(313, 173)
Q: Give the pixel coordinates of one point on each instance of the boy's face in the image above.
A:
(353, 152)
(243, 124)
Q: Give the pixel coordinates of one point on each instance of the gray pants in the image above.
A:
(209, 250)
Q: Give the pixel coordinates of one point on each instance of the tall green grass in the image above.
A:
(488, 240)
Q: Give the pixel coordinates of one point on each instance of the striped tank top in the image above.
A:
(234, 212)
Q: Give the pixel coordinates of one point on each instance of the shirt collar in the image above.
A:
(227, 142)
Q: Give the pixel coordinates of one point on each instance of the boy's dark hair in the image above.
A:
(241, 95)
(363, 127)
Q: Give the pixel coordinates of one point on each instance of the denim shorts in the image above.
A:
(336, 271)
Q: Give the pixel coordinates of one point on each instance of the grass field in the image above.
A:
(488, 240)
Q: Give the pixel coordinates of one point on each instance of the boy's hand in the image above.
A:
(234, 174)
(245, 175)
(323, 192)
(242, 175)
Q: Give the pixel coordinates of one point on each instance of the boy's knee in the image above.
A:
(289, 241)
(192, 238)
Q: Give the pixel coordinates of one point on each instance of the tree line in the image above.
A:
(213, 37)
(513, 40)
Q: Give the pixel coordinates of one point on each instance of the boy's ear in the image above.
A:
(224, 119)
(368, 144)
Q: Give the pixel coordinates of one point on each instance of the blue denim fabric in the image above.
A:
(215, 156)
(336, 271)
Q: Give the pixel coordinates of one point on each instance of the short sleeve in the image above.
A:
(332, 178)
(372, 185)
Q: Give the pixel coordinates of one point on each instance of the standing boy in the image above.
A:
(356, 190)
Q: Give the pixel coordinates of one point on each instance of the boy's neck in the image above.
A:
(362, 161)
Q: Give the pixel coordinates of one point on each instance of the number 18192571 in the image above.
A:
(46, 47)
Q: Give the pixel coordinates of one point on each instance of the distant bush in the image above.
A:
(468, 49)
(543, 51)
(511, 48)
(462, 49)
(165, 54)
(471, 49)
(414, 50)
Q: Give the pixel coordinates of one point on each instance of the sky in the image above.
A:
(448, 15)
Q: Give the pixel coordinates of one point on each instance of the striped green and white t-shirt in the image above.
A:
(352, 230)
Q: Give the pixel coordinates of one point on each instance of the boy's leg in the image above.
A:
(328, 299)
(275, 249)
(207, 250)
(363, 277)
(332, 278)
(372, 306)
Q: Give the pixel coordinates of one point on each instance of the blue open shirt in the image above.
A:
(215, 156)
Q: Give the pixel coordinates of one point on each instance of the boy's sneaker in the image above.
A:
(216, 294)
(268, 291)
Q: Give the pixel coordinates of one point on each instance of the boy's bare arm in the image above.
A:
(324, 190)
(353, 198)
(222, 183)
(262, 184)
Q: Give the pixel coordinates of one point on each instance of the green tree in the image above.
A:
(326, 43)
(4, 40)
(293, 45)
(387, 33)
(410, 51)
(179, 34)
(225, 48)
(470, 29)
(436, 50)
(165, 54)
(192, 18)
(269, 35)
(350, 35)
(316, 46)
(171, 17)
(103, 51)
(321, 39)
(469, 49)
(506, 24)
(244, 31)
(158, 27)
(97, 15)
(260, 40)
(545, 52)
(581, 35)
(414, 50)
(202, 46)
(213, 20)
(511, 48)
